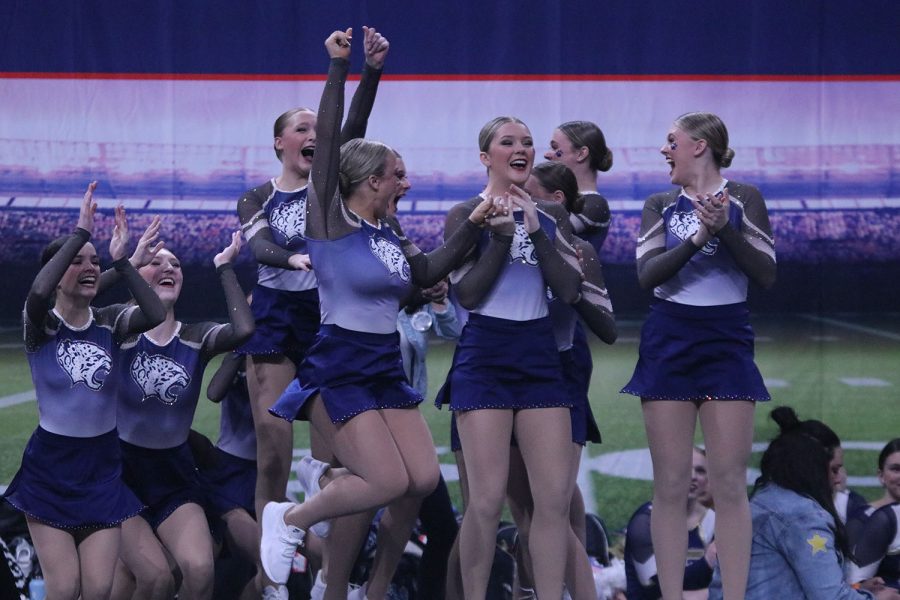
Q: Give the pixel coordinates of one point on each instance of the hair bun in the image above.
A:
(727, 157)
(785, 417)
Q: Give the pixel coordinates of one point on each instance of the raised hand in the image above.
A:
(520, 199)
(338, 44)
(118, 242)
(230, 252)
(147, 247)
(375, 46)
(88, 209)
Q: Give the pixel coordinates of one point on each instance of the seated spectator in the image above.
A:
(876, 540)
(799, 543)
(640, 561)
(889, 474)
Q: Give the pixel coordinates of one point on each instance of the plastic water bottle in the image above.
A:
(36, 590)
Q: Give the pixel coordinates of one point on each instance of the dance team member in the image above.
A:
(506, 375)
(640, 560)
(365, 266)
(285, 299)
(69, 484)
(876, 544)
(554, 182)
(160, 378)
(581, 146)
(698, 247)
(229, 474)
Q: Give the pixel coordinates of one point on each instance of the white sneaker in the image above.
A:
(309, 471)
(271, 592)
(278, 542)
(318, 589)
(358, 593)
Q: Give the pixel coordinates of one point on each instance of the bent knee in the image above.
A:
(421, 485)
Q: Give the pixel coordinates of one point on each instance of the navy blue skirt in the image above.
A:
(163, 479)
(230, 483)
(73, 483)
(584, 427)
(505, 364)
(353, 371)
(697, 353)
(286, 322)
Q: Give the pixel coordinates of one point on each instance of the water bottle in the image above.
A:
(36, 590)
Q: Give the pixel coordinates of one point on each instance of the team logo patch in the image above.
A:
(159, 377)
(84, 362)
(522, 248)
(685, 224)
(391, 256)
(289, 219)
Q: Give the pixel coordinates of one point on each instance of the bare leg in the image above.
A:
(518, 498)
(579, 575)
(267, 376)
(485, 435)
(376, 473)
(145, 558)
(728, 432)
(454, 571)
(413, 439)
(670, 433)
(98, 552)
(58, 556)
(185, 533)
(544, 436)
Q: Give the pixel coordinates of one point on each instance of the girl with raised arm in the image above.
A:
(365, 267)
(160, 380)
(69, 485)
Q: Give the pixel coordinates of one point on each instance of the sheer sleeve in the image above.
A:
(324, 207)
(753, 248)
(149, 312)
(40, 296)
(594, 306)
(361, 105)
(478, 272)
(240, 327)
(655, 264)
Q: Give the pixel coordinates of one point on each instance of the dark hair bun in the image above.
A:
(785, 417)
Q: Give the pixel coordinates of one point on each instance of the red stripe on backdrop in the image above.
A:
(446, 77)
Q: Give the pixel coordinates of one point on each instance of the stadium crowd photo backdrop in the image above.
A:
(170, 106)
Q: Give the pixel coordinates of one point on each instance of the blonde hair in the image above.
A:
(709, 127)
(359, 159)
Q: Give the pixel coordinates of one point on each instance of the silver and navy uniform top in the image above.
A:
(283, 215)
(70, 368)
(237, 435)
(711, 277)
(519, 293)
(159, 385)
(363, 277)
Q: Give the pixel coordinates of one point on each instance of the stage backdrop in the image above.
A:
(170, 106)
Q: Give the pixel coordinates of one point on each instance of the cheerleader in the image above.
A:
(69, 485)
(160, 378)
(698, 247)
(365, 266)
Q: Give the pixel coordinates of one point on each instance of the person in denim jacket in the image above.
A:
(799, 544)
